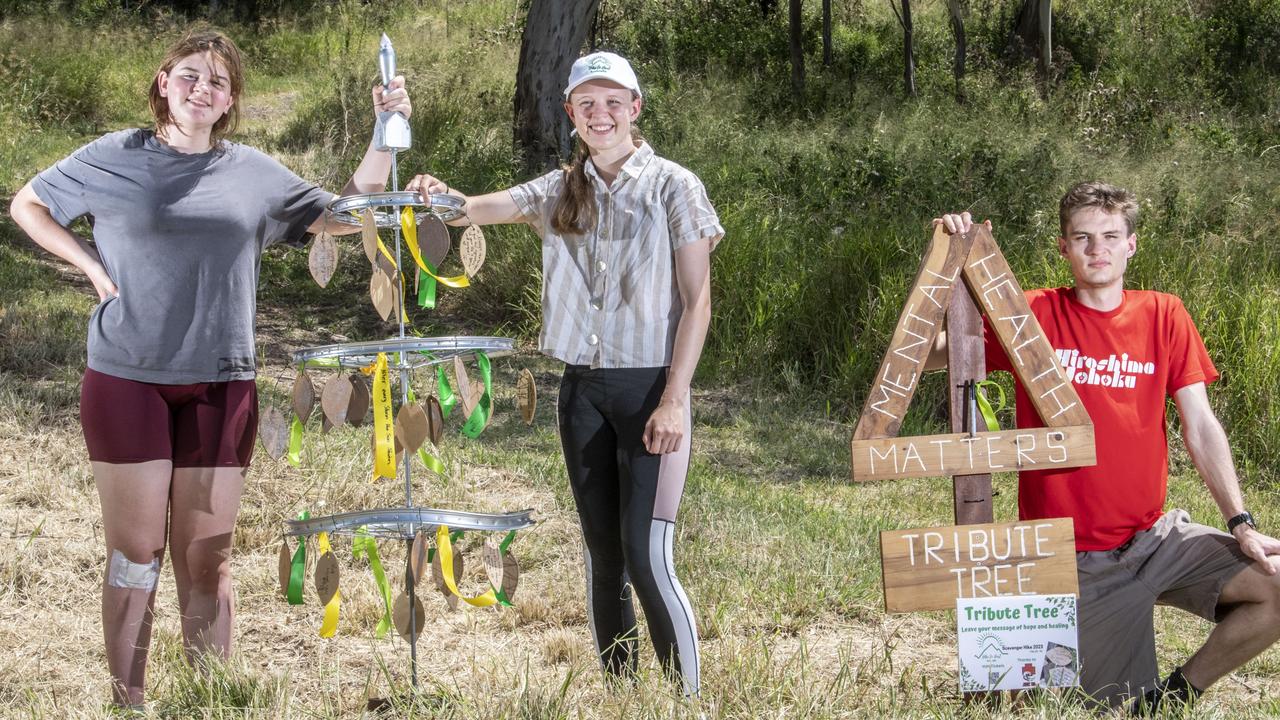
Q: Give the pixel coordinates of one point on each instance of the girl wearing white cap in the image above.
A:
(626, 244)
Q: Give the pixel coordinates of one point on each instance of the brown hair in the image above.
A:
(575, 210)
(1108, 198)
(224, 50)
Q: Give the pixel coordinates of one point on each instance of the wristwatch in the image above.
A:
(1243, 518)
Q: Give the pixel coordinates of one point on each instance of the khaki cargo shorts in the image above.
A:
(1176, 562)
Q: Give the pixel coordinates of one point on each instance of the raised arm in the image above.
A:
(375, 167)
(495, 208)
(33, 216)
(665, 428)
(1211, 454)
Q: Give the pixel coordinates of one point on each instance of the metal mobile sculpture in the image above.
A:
(397, 357)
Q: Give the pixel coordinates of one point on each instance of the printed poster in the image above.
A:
(1017, 642)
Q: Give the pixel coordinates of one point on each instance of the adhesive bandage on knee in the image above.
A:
(131, 575)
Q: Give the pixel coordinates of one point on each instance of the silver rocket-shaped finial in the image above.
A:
(386, 59)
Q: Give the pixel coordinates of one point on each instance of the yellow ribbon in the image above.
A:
(409, 228)
(329, 625)
(446, 568)
(384, 449)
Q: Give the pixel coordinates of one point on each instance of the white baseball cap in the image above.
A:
(602, 66)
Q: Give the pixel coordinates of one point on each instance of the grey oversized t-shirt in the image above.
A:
(181, 236)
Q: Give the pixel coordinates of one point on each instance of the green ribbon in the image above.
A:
(364, 544)
(984, 405)
(479, 417)
(330, 363)
(298, 568)
(294, 455)
(427, 287)
(444, 392)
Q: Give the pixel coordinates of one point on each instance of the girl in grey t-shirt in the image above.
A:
(168, 405)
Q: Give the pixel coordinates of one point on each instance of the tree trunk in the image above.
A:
(908, 52)
(826, 33)
(797, 50)
(1046, 38)
(955, 9)
(1032, 30)
(553, 35)
(767, 7)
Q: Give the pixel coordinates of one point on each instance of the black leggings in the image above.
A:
(627, 500)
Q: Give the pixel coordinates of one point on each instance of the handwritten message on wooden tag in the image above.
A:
(400, 616)
(274, 431)
(326, 577)
(286, 567)
(418, 556)
(411, 426)
(383, 294)
(369, 234)
(437, 576)
(323, 258)
(335, 399)
(492, 563)
(358, 406)
(433, 240)
(304, 396)
(527, 396)
(510, 574)
(462, 385)
(435, 420)
(472, 249)
(929, 568)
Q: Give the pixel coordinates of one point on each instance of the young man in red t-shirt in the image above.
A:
(1125, 351)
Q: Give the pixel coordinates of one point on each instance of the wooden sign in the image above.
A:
(974, 260)
(930, 568)
(974, 453)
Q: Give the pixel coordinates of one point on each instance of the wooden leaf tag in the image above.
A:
(326, 577)
(437, 575)
(369, 234)
(462, 385)
(527, 396)
(472, 249)
(304, 396)
(323, 259)
(274, 431)
(383, 294)
(433, 240)
(411, 426)
(492, 563)
(400, 616)
(388, 268)
(325, 425)
(358, 406)
(418, 556)
(286, 566)
(335, 399)
(510, 574)
(477, 392)
(435, 420)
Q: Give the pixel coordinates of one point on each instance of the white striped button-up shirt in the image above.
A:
(609, 296)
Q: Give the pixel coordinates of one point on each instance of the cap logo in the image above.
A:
(598, 65)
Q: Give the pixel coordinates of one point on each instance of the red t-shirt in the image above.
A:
(1123, 363)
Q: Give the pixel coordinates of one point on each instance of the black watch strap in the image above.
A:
(1243, 518)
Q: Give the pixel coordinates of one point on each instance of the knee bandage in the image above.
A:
(131, 575)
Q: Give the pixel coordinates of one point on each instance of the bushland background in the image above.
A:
(825, 193)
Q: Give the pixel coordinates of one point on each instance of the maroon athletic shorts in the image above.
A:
(209, 424)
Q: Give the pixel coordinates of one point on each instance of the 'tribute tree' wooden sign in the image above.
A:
(928, 569)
